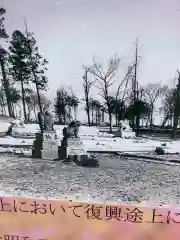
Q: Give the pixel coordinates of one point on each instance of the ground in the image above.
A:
(117, 179)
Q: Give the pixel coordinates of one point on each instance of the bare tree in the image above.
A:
(151, 92)
(125, 81)
(87, 84)
(105, 79)
(73, 102)
(31, 102)
(167, 107)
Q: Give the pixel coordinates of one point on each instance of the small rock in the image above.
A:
(163, 144)
(159, 151)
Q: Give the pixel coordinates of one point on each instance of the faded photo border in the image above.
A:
(31, 219)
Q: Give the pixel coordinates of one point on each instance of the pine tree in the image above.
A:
(38, 67)
(14, 97)
(3, 63)
(3, 33)
(19, 63)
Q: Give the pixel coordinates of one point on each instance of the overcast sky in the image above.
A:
(71, 32)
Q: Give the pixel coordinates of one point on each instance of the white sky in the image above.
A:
(70, 33)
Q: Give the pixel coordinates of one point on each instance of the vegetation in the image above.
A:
(23, 67)
(24, 82)
(65, 104)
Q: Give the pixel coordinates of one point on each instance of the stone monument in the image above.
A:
(45, 146)
(14, 125)
(71, 145)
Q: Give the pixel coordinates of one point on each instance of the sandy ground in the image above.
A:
(116, 179)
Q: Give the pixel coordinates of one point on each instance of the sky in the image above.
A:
(71, 32)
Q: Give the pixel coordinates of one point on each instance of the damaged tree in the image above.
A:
(105, 80)
(87, 84)
(151, 92)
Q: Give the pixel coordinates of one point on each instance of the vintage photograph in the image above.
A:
(90, 100)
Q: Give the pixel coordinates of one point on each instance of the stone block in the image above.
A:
(45, 146)
(49, 154)
(62, 152)
(49, 135)
(75, 151)
(49, 145)
(75, 147)
(73, 142)
(118, 133)
(85, 160)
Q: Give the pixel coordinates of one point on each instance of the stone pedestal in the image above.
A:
(72, 150)
(45, 146)
(75, 147)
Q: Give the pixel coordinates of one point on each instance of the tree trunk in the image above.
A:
(15, 110)
(117, 119)
(6, 87)
(151, 115)
(110, 122)
(38, 93)
(96, 117)
(171, 122)
(88, 115)
(70, 115)
(23, 100)
(5, 111)
(87, 110)
(176, 117)
(110, 117)
(102, 116)
(137, 125)
(39, 99)
(175, 125)
(99, 117)
(64, 116)
(164, 121)
(28, 115)
(176, 112)
(133, 123)
(59, 119)
(1, 109)
(92, 112)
